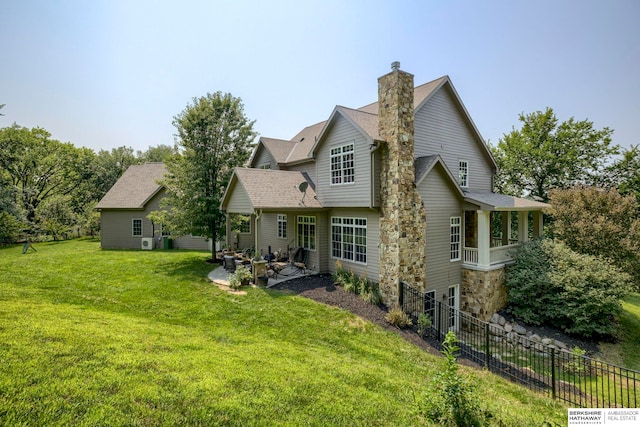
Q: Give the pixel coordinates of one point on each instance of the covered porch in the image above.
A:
(495, 225)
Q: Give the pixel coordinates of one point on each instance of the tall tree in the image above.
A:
(624, 173)
(39, 167)
(109, 167)
(158, 153)
(545, 154)
(214, 136)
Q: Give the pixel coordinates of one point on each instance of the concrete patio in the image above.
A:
(220, 276)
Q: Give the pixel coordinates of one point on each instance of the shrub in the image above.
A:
(241, 276)
(578, 293)
(451, 399)
(397, 317)
(359, 285)
(424, 323)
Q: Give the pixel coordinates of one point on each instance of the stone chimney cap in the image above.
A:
(395, 65)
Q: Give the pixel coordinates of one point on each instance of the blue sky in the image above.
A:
(103, 74)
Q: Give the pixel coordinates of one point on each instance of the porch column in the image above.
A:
(506, 228)
(484, 238)
(523, 227)
(537, 224)
(227, 236)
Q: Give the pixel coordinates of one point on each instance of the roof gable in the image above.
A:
(137, 185)
(278, 149)
(365, 123)
(424, 165)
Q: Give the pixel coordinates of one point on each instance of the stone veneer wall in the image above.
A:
(483, 292)
(403, 216)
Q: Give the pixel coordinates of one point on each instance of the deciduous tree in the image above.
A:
(39, 167)
(545, 154)
(214, 136)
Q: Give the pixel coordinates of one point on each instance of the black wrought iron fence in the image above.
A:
(565, 375)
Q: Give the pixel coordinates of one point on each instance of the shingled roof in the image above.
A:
(271, 189)
(137, 185)
(366, 117)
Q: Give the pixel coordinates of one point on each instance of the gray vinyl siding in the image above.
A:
(263, 157)
(269, 233)
(441, 129)
(358, 193)
(192, 242)
(372, 268)
(441, 203)
(307, 167)
(116, 225)
(239, 200)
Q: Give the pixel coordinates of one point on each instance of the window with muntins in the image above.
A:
(349, 239)
(307, 232)
(455, 227)
(282, 226)
(136, 227)
(342, 165)
(463, 173)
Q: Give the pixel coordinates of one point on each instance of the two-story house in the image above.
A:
(399, 190)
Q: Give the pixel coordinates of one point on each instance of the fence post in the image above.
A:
(553, 374)
(486, 345)
(401, 294)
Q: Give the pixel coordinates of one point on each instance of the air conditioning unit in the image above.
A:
(146, 243)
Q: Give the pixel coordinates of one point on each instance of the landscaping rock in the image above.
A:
(494, 318)
(508, 327)
(496, 330)
(535, 338)
(559, 344)
(519, 329)
(547, 341)
(501, 321)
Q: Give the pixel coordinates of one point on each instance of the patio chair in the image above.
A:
(300, 259)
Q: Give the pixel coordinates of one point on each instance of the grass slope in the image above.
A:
(106, 338)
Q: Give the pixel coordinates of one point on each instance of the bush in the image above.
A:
(368, 290)
(452, 399)
(241, 276)
(578, 293)
(424, 323)
(397, 317)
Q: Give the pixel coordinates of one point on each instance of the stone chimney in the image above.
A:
(403, 216)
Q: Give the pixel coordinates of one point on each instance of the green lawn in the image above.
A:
(91, 337)
(626, 352)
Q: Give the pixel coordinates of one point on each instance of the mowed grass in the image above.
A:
(109, 338)
(626, 352)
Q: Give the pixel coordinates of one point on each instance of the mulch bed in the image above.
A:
(321, 288)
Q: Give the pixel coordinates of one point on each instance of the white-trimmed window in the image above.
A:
(349, 239)
(282, 226)
(463, 173)
(265, 166)
(136, 227)
(455, 239)
(342, 165)
(307, 232)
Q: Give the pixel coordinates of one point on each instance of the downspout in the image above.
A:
(255, 230)
(373, 147)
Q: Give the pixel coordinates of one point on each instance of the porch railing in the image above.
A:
(568, 376)
(497, 255)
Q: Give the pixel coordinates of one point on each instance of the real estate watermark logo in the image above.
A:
(603, 417)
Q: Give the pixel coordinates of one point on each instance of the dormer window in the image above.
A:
(463, 173)
(342, 165)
